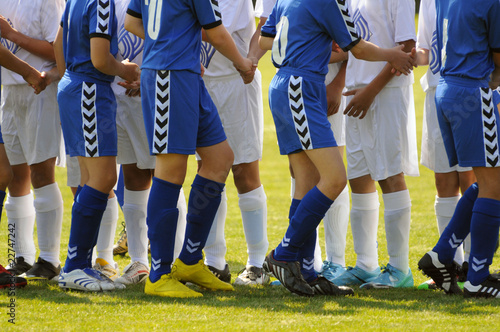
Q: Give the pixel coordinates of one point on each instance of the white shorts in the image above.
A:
(72, 172)
(31, 126)
(337, 120)
(132, 140)
(384, 143)
(433, 154)
(241, 112)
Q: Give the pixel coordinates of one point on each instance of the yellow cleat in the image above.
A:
(169, 287)
(199, 274)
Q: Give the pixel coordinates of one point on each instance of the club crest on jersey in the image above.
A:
(207, 52)
(434, 54)
(12, 47)
(362, 26)
(129, 45)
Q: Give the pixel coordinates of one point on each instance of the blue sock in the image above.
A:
(162, 225)
(458, 228)
(484, 229)
(309, 213)
(2, 198)
(86, 216)
(120, 189)
(293, 207)
(204, 200)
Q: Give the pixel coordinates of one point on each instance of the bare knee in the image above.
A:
(42, 174)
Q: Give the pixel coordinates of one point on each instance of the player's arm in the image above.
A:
(59, 52)
(106, 63)
(223, 43)
(363, 97)
(495, 75)
(338, 55)
(41, 48)
(134, 25)
(255, 51)
(29, 74)
(266, 43)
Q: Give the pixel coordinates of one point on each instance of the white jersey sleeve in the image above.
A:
(426, 39)
(263, 8)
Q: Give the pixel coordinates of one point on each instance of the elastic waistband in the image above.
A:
(84, 78)
(464, 81)
(301, 72)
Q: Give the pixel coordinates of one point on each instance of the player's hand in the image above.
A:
(37, 80)
(246, 70)
(403, 62)
(333, 98)
(132, 89)
(5, 28)
(131, 71)
(360, 103)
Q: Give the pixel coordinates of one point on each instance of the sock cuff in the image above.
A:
(316, 195)
(20, 207)
(397, 200)
(472, 192)
(252, 200)
(138, 197)
(92, 198)
(208, 187)
(445, 206)
(488, 207)
(365, 201)
(48, 198)
(164, 183)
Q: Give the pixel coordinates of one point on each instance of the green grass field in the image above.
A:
(42, 306)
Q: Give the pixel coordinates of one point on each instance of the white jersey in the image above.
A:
(427, 39)
(129, 45)
(263, 8)
(384, 23)
(239, 20)
(38, 19)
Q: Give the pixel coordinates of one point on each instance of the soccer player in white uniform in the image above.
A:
(450, 181)
(337, 218)
(32, 134)
(241, 112)
(468, 118)
(381, 145)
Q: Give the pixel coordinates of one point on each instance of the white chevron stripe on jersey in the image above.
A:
(216, 9)
(362, 25)
(489, 129)
(162, 113)
(296, 103)
(89, 119)
(103, 16)
(207, 52)
(434, 55)
(349, 23)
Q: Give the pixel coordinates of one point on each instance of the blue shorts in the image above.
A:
(468, 118)
(88, 116)
(1, 138)
(298, 103)
(179, 114)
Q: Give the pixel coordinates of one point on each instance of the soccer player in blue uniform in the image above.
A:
(85, 47)
(468, 118)
(180, 119)
(300, 34)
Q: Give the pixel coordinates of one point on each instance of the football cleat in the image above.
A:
(107, 269)
(121, 246)
(353, 276)
(331, 270)
(134, 273)
(43, 270)
(88, 280)
(251, 276)
(288, 273)
(490, 288)
(18, 266)
(9, 280)
(198, 274)
(223, 275)
(169, 287)
(390, 277)
(444, 275)
(323, 286)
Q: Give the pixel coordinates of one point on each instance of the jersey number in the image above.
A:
(154, 17)
(280, 41)
(445, 41)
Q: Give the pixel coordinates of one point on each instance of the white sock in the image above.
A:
(21, 216)
(364, 224)
(445, 207)
(336, 222)
(466, 246)
(253, 208)
(181, 224)
(135, 205)
(49, 217)
(292, 187)
(318, 261)
(397, 216)
(215, 247)
(107, 230)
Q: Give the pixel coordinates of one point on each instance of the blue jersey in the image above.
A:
(81, 21)
(173, 31)
(303, 31)
(467, 33)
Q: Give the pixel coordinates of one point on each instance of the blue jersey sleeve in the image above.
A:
(269, 28)
(208, 13)
(494, 26)
(101, 14)
(334, 17)
(134, 8)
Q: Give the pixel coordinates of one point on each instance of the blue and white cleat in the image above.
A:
(88, 280)
(390, 277)
(355, 276)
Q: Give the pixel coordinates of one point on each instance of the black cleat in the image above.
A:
(445, 276)
(223, 275)
(490, 288)
(288, 273)
(462, 272)
(323, 286)
(43, 270)
(8, 280)
(18, 266)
